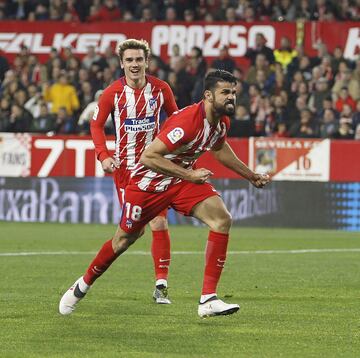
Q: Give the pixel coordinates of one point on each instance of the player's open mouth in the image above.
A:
(135, 71)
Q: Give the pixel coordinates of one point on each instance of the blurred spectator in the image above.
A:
(249, 14)
(284, 10)
(328, 124)
(189, 15)
(303, 10)
(230, 14)
(280, 113)
(263, 117)
(281, 130)
(306, 127)
(260, 64)
(224, 61)
(5, 110)
(64, 123)
(155, 70)
(86, 94)
(44, 122)
(87, 114)
(19, 9)
(285, 54)
(19, 120)
(317, 97)
(181, 83)
(344, 79)
(147, 15)
(221, 9)
(242, 97)
(109, 11)
(344, 98)
(175, 56)
(265, 10)
(170, 14)
(323, 11)
(150, 7)
(35, 100)
(41, 13)
(241, 125)
(347, 111)
(356, 116)
(260, 47)
(61, 95)
(338, 56)
(345, 130)
(90, 58)
(197, 65)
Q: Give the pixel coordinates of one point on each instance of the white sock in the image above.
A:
(161, 281)
(204, 298)
(84, 287)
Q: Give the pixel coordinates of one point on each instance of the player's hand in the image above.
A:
(109, 165)
(260, 180)
(199, 176)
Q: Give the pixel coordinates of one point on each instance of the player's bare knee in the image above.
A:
(222, 223)
(159, 223)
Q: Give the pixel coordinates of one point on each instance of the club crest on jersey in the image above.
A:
(152, 103)
(129, 223)
(175, 135)
(96, 112)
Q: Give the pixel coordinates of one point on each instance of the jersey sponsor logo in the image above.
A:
(146, 124)
(175, 135)
(96, 112)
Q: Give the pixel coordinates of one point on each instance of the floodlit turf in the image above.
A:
(292, 304)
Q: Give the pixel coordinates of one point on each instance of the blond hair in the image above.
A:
(134, 44)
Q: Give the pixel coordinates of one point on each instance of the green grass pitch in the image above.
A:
(293, 303)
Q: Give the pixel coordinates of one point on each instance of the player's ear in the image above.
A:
(208, 96)
(121, 64)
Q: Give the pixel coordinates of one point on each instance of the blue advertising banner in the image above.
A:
(94, 200)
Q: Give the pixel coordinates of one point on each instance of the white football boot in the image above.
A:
(72, 296)
(216, 307)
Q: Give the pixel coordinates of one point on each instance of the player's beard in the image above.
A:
(224, 109)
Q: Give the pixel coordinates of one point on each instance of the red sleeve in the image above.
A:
(178, 130)
(170, 105)
(102, 111)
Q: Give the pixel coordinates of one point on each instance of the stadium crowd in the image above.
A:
(185, 10)
(283, 92)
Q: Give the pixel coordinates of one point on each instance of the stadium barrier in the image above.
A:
(316, 183)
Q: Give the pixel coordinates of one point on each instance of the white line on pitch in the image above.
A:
(257, 252)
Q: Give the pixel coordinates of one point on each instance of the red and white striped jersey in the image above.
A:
(187, 134)
(135, 113)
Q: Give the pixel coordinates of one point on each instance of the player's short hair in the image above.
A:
(213, 77)
(134, 44)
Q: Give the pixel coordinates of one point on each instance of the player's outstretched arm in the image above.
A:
(226, 156)
(153, 158)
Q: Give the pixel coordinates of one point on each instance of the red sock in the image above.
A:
(104, 258)
(214, 260)
(160, 250)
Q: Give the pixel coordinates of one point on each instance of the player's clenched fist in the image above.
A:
(199, 176)
(109, 165)
(260, 180)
